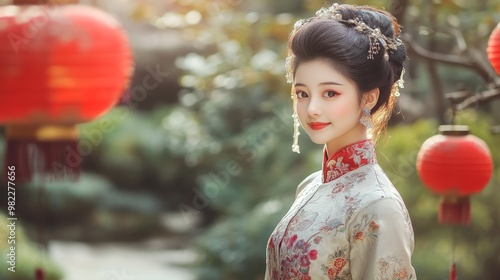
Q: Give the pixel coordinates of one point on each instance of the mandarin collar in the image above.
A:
(348, 158)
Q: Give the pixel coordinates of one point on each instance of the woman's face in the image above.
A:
(328, 105)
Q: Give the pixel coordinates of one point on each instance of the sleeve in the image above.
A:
(381, 241)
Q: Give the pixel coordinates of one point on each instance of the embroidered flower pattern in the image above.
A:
(344, 186)
(340, 187)
(271, 258)
(296, 264)
(337, 168)
(350, 205)
(373, 226)
(302, 220)
(368, 229)
(347, 159)
(315, 238)
(392, 268)
(359, 236)
(346, 183)
(335, 264)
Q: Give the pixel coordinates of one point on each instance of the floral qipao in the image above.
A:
(347, 222)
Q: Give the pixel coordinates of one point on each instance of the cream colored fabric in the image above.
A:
(353, 227)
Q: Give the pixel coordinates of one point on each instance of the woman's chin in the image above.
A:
(317, 140)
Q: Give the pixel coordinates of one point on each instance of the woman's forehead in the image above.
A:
(318, 71)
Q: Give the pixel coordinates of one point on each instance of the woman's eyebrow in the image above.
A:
(321, 84)
(330, 83)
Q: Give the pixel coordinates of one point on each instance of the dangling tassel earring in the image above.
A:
(296, 125)
(366, 119)
(296, 133)
(400, 84)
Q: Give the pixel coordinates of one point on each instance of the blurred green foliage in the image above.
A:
(28, 257)
(90, 209)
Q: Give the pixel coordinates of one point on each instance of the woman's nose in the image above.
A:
(313, 108)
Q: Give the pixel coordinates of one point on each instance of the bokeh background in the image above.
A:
(191, 179)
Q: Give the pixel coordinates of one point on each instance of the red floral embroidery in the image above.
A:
(392, 267)
(332, 272)
(299, 256)
(347, 159)
(373, 226)
(292, 240)
(313, 254)
(338, 188)
(339, 263)
(317, 239)
(359, 236)
(402, 274)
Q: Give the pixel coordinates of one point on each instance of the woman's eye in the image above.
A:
(301, 94)
(330, 93)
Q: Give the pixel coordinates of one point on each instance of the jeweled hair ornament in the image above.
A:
(377, 39)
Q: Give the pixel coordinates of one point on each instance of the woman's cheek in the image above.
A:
(343, 110)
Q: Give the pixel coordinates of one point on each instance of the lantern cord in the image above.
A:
(41, 238)
(453, 114)
(453, 268)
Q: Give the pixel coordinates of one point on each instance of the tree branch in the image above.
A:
(398, 9)
(457, 60)
(483, 96)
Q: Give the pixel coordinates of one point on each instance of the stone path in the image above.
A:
(121, 261)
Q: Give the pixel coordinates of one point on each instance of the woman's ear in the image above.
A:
(370, 98)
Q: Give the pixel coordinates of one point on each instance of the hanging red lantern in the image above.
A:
(60, 65)
(493, 49)
(455, 165)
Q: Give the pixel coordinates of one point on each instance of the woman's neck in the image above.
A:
(357, 134)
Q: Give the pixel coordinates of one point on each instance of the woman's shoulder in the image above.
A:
(309, 179)
(374, 189)
(373, 183)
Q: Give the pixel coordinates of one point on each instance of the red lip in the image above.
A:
(318, 125)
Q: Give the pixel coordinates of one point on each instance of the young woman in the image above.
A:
(348, 221)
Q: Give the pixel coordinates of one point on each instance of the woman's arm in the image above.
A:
(381, 240)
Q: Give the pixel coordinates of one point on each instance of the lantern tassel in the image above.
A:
(47, 152)
(455, 210)
(453, 272)
(39, 274)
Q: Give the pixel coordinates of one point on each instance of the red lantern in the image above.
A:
(60, 65)
(493, 49)
(455, 165)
